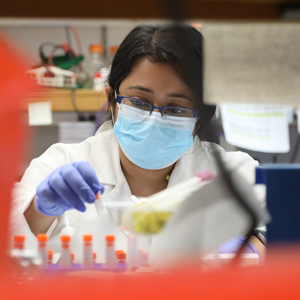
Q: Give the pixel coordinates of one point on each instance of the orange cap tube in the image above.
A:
(110, 238)
(19, 238)
(87, 238)
(96, 48)
(42, 237)
(65, 238)
(121, 255)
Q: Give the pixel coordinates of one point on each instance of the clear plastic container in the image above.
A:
(112, 51)
(95, 63)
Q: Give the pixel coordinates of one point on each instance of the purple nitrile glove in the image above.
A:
(67, 187)
(233, 245)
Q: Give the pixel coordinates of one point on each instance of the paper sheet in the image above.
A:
(252, 62)
(261, 128)
(40, 113)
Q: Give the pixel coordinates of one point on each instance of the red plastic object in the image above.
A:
(14, 87)
(278, 279)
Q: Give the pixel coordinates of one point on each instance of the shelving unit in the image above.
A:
(61, 99)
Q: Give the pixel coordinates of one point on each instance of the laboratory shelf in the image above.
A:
(66, 100)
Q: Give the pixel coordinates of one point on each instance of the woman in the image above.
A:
(155, 95)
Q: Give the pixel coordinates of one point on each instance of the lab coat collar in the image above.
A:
(195, 160)
(105, 157)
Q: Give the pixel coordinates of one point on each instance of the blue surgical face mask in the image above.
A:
(151, 141)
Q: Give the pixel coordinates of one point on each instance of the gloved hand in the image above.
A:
(68, 187)
(233, 245)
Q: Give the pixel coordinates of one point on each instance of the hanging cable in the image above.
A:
(68, 36)
(100, 116)
(295, 150)
(228, 180)
(80, 116)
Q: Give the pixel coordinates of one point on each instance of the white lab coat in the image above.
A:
(102, 152)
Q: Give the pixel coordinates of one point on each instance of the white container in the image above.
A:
(88, 255)
(110, 252)
(43, 249)
(133, 252)
(65, 258)
(95, 62)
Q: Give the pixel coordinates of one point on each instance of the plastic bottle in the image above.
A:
(65, 258)
(110, 252)
(88, 251)
(112, 51)
(42, 248)
(133, 252)
(96, 63)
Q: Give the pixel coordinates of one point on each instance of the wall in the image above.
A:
(28, 34)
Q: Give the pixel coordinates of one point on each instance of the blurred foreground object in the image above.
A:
(52, 77)
(283, 193)
(252, 62)
(14, 87)
(149, 216)
(194, 218)
(278, 279)
(60, 70)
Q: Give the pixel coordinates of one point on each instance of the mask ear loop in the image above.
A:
(111, 110)
(112, 116)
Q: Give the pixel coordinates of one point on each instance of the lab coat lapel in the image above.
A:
(105, 159)
(193, 161)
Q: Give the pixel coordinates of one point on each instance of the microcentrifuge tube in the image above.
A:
(133, 252)
(94, 257)
(87, 251)
(19, 242)
(110, 252)
(118, 251)
(121, 257)
(42, 248)
(65, 258)
(144, 258)
(50, 257)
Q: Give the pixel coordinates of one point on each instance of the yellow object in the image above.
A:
(150, 221)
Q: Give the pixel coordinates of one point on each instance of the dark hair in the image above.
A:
(177, 45)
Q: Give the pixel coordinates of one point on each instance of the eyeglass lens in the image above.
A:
(167, 111)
